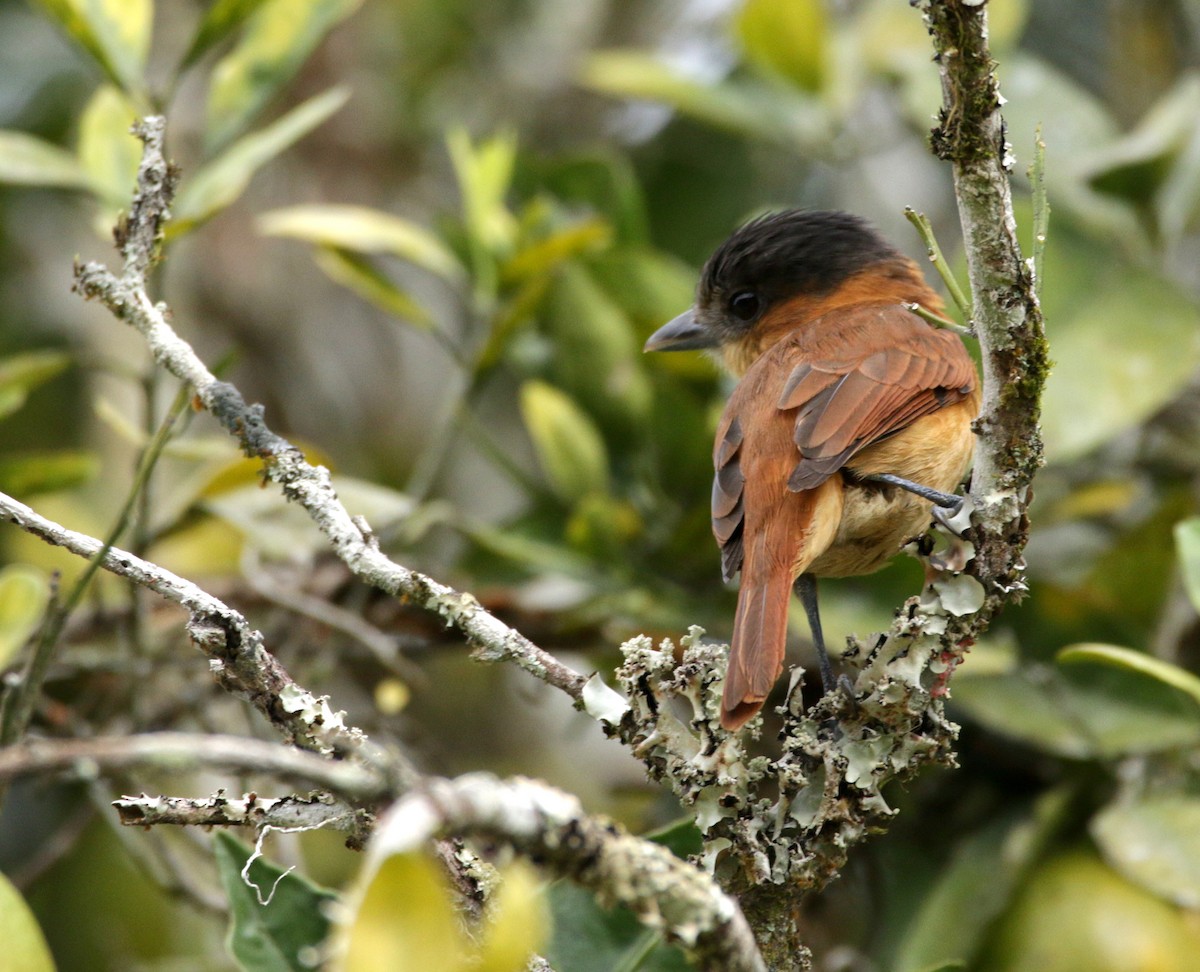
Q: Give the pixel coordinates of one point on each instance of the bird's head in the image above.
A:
(779, 271)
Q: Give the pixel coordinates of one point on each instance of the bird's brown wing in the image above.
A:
(852, 377)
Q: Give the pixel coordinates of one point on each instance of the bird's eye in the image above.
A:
(744, 305)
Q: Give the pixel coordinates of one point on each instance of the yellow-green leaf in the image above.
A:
(24, 594)
(484, 174)
(543, 255)
(28, 473)
(519, 922)
(787, 37)
(25, 948)
(1134, 661)
(116, 33)
(222, 19)
(225, 178)
(404, 922)
(278, 38)
(568, 444)
(27, 160)
(364, 230)
(360, 276)
(108, 151)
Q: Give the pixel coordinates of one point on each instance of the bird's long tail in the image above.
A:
(759, 636)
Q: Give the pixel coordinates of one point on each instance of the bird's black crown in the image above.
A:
(795, 251)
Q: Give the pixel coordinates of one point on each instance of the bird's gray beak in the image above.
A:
(682, 333)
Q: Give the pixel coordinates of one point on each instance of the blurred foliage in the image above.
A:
(503, 200)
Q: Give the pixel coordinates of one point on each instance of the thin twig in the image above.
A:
(925, 228)
(182, 752)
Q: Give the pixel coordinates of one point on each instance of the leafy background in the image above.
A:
(431, 236)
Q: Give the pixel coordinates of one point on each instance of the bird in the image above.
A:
(851, 420)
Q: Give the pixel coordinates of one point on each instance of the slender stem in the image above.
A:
(1041, 208)
(938, 321)
(921, 222)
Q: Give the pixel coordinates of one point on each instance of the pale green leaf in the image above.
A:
(767, 112)
(222, 18)
(24, 595)
(1187, 540)
(283, 935)
(403, 922)
(568, 445)
(116, 33)
(225, 178)
(1134, 661)
(22, 373)
(108, 151)
(364, 230)
(25, 948)
(1155, 841)
(787, 37)
(278, 38)
(28, 161)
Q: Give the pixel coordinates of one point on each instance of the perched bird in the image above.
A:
(852, 415)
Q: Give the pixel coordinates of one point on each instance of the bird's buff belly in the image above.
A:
(877, 519)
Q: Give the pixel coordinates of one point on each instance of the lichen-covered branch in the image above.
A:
(550, 827)
(237, 657)
(127, 298)
(251, 810)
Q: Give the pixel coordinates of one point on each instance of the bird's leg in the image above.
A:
(806, 589)
(946, 501)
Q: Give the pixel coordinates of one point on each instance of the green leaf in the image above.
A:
(1108, 375)
(588, 938)
(363, 230)
(26, 160)
(403, 922)
(222, 19)
(25, 948)
(360, 276)
(278, 38)
(24, 595)
(1187, 541)
(568, 445)
(1134, 661)
(1080, 712)
(27, 474)
(597, 356)
(225, 178)
(22, 373)
(682, 838)
(1155, 841)
(282, 936)
(108, 151)
(787, 37)
(975, 887)
(116, 33)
